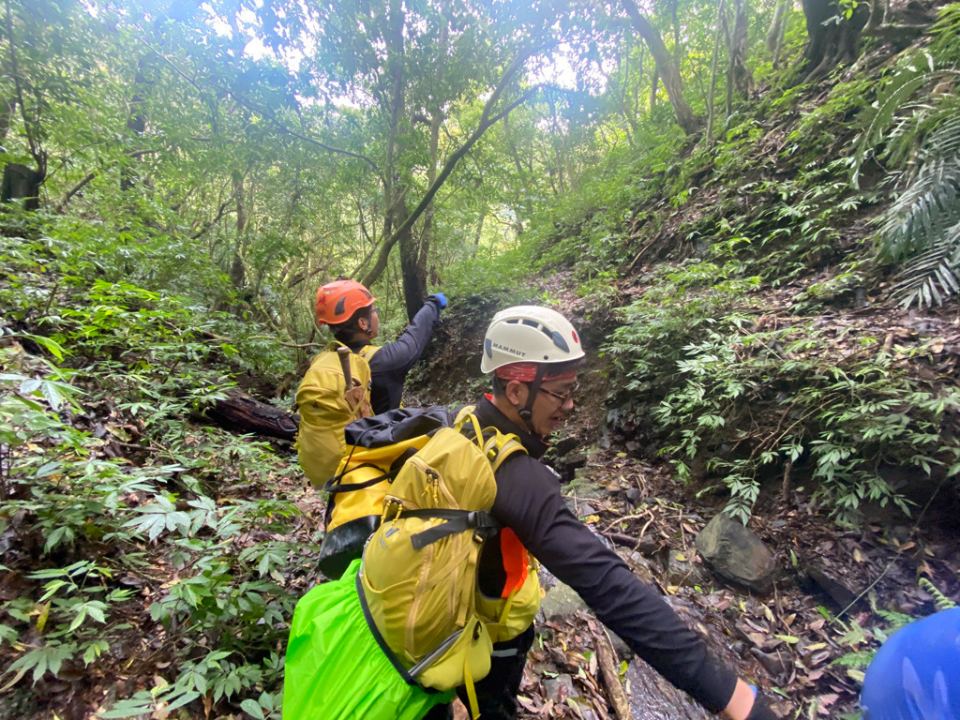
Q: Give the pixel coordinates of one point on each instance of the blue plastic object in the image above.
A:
(916, 674)
(441, 298)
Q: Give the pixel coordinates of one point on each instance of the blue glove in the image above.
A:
(440, 298)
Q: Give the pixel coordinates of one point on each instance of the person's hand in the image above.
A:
(747, 704)
(440, 298)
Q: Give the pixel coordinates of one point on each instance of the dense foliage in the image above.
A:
(721, 202)
(133, 534)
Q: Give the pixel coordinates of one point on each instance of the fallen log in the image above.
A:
(243, 413)
(610, 675)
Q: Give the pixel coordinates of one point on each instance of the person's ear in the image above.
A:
(364, 324)
(516, 392)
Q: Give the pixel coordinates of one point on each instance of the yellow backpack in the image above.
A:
(326, 406)
(418, 581)
(377, 448)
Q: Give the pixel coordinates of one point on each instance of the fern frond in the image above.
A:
(897, 620)
(934, 275)
(946, 32)
(918, 72)
(919, 121)
(925, 210)
(946, 138)
(943, 602)
(879, 118)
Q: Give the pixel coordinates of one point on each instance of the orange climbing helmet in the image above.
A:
(339, 300)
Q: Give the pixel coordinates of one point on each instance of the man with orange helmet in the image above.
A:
(352, 378)
(348, 308)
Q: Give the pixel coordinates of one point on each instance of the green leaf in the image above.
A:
(52, 346)
(51, 394)
(187, 697)
(252, 708)
(80, 617)
(95, 650)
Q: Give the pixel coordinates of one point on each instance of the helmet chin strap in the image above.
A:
(526, 413)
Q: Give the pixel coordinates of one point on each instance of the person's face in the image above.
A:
(553, 403)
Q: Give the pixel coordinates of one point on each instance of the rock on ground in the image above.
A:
(736, 554)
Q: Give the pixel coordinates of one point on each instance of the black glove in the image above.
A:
(761, 711)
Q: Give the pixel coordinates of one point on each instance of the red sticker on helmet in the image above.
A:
(575, 338)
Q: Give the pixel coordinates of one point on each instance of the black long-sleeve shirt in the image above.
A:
(391, 363)
(529, 502)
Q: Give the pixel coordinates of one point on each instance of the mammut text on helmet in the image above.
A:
(512, 351)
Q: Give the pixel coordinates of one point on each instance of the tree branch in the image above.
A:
(39, 156)
(86, 181)
(221, 211)
(264, 113)
(485, 122)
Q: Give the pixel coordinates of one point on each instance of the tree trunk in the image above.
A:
(775, 32)
(21, 183)
(237, 269)
(666, 67)
(711, 104)
(741, 79)
(31, 180)
(414, 284)
(436, 118)
(487, 120)
(7, 108)
(478, 233)
(831, 43)
(136, 120)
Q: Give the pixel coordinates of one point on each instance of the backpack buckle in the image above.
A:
(480, 520)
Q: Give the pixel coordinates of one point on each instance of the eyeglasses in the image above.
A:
(564, 399)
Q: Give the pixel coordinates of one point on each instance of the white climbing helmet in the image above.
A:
(527, 333)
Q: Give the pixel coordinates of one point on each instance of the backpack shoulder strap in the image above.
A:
(503, 446)
(368, 351)
(497, 446)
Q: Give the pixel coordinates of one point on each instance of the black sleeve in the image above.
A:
(529, 501)
(399, 356)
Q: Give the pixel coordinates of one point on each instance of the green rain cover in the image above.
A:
(334, 668)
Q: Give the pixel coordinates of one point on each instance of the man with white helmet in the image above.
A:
(535, 354)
